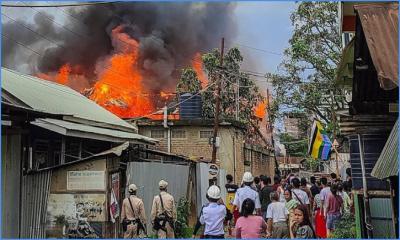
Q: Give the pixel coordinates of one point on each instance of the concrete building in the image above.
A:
(291, 126)
(192, 139)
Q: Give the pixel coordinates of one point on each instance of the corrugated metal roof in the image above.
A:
(345, 70)
(85, 131)
(388, 163)
(380, 25)
(55, 98)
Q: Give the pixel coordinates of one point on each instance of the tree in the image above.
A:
(230, 75)
(294, 147)
(189, 83)
(309, 67)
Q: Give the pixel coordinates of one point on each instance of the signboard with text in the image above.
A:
(85, 180)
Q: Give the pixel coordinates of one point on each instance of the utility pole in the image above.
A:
(217, 106)
(237, 99)
(335, 143)
(271, 130)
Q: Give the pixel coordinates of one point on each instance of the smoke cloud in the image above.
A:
(169, 34)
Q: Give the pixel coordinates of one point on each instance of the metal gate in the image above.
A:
(146, 176)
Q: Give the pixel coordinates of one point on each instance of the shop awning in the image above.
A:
(86, 131)
(345, 70)
(388, 163)
(380, 24)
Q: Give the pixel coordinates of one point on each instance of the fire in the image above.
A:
(119, 88)
(198, 68)
(63, 74)
(118, 81)
(61, 77)
(260, 109)
(165, 95)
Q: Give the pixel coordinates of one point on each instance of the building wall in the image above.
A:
(262, 163)
(230, 154)
(11, 180)
(59, 178)
(88, 196)
(292, 127)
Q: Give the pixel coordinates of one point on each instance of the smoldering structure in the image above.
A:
(125, 53)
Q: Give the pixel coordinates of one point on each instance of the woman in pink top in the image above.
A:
(249, 226)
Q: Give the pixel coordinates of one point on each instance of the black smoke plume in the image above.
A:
(169, 35)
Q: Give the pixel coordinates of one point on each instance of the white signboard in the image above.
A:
(213, 170)
(86, 180)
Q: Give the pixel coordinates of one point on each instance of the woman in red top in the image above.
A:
(334, 208)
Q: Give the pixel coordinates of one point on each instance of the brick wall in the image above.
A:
(230, 154)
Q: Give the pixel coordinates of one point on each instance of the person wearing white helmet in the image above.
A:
(212, 215)
(247, 192)
(133, 216)
(163, 212)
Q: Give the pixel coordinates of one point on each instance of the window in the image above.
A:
(247, 157)
(206, 134)
(178, 134)
(40, 153)
(157, 133)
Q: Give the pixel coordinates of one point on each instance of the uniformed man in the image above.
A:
(133, 214)
(163, 212)
(247, 192)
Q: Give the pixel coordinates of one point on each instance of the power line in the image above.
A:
(44, 37)
(19, 43)
(60, 5)
(257, 49)
(155, 112)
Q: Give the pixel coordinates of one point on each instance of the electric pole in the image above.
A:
(217, 106)
(271, 130)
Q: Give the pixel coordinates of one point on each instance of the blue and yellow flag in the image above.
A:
(320, 145)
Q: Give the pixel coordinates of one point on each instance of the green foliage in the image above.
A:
(296, 149)
(182, 213)
(308, 70)
(345, 228)
(230, 74)
(311, 164)
(189, 83)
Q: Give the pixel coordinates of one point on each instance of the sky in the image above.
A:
(263, 31)
(262, 25)
(265, 26)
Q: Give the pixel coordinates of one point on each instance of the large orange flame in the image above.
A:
(118, 83)
(198, 68)
(260, 109)
(120, 88)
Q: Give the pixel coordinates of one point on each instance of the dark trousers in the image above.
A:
(215, 237)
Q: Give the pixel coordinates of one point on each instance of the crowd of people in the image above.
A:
(290, 207)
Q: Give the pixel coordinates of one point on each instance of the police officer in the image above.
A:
(133, 213)
(163, 212)
(247, 192)
(212, 215)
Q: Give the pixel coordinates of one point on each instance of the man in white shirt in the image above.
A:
(247, 192)
(324, 193)
(277, 215)
(300, 195)
(212, 215)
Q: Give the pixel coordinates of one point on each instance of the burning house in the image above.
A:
(126, 57)
(63, 158)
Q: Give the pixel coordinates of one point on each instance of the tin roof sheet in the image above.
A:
(55, 98)
(85, 131)
(388, 163)
(381, 29)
